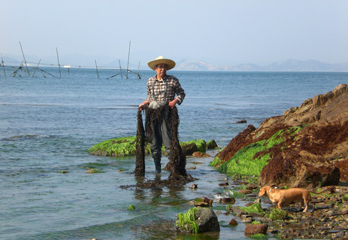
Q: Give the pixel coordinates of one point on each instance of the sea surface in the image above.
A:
(47, 122)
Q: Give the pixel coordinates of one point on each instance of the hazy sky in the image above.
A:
(220, 32)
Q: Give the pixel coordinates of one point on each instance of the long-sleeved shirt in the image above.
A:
(164, 90)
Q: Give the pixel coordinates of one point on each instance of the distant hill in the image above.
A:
(289, 65)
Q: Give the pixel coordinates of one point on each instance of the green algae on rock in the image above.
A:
(198, 220)
(278, 214)
(186, 221)
(126, 146)
(255, 208)
(117, 147)
(251, 159)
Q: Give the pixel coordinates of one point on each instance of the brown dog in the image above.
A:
(285, 197)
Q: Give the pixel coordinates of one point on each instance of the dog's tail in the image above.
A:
(329, 189)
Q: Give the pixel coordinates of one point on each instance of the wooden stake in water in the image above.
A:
(25, 62)
(3, 65)
(120, 68)
(60, 74)
(19, 68)
(128, 60)
(36, 68)
(138, 71)
(96, 68)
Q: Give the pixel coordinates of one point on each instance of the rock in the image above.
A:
(242, 121)
(198, 220)
(200, 155)
(252, 229)
(305, 147)
(233, 222)
(126, 146)
(212, 144)
(251, 186)
(244, 191)
(239, 212)
(189, 149)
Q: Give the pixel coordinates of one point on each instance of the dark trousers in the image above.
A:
(161, 135)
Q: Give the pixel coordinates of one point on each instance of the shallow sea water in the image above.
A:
(47, 124)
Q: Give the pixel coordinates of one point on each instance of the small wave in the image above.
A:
(25, 137)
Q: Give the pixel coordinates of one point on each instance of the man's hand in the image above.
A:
(143, 105)
(173, 103)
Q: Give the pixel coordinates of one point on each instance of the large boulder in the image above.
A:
(305, 147)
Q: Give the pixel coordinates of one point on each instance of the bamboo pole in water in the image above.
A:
(19, 68)
(25, 62)
(3, 65)
(36, 68)
(138, 71)
(119, 61)
(60, 74)
(128, 60)
(96, 68)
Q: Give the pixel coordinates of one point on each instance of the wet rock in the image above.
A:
(223, 184)
(212, 144)
(200, 154)
(251, 186)
(200, 220)
(244, 191)
(227, 200)
(189, 148)
(252, 229)
(247, 218)
(324, 206)
(233, 222)
(239, 212)
(242, 121)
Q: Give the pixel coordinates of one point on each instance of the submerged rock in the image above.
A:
(305, 147)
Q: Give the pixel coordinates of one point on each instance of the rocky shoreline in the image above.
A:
(327, 217)
(306, 147)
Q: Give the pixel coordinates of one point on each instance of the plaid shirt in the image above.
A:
(156, 89)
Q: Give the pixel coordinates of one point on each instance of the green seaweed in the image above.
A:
(255, 208)
(131, 207)
(126, 146)
(259, 236)
(201, 144)
(243, 161)
(278, 214)
(187, 220)
(115, 147)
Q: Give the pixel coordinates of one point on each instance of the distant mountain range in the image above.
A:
(290, 65)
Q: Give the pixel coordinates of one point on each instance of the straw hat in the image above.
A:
(170, 63)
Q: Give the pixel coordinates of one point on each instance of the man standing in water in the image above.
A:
(164, 92)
